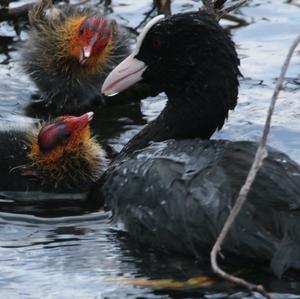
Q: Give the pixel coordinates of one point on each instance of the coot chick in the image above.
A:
(61, 156)
(172, 190)
(69, 52)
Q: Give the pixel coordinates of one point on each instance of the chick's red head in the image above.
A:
(64, 134)
(93, 36)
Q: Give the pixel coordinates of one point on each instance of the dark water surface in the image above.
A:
(70, 251)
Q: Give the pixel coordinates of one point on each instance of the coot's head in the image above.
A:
(91, 37)
(171, 52)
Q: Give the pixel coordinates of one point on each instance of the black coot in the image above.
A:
(172, 190)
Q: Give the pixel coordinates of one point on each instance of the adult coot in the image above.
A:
(172, 190)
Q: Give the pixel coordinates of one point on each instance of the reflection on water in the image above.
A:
(60, 248)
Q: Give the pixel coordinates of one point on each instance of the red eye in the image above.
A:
(157, 43)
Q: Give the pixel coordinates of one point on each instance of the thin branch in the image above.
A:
(83, 2)
(132, 30)
(163, 7)
(233, 18)
(107, 5)
(147, 16)
(216, 8)
(261, 153)
(4, 3)
(21, 12)
(219, 3)
(233, 7)
(208, 6)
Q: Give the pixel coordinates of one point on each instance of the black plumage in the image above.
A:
(13, 153)
(196, 65)
(176, 196)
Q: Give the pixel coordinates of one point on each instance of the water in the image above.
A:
(70, 251)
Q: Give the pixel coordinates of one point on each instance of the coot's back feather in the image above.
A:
(176, 195)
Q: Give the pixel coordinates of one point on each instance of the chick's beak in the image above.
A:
(97, 42)
(85, 53)
(79, 122)
(127, 73)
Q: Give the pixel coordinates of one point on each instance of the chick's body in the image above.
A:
(68, 54)
(59, 157)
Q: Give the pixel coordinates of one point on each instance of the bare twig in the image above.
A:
(235, 6)
(132, 30)
(261, 153)
(208, 6)
(232, 18)
(147, 16)
(163, 7)
(83, 2)
(216, 9)
(17, 13)
(107, 5)
(4, 3)
(219, 3)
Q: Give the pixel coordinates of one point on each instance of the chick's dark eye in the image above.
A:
(65, 136)
(81, 31)
(52, 136)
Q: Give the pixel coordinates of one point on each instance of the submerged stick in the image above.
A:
(200, 281)
(261, 153)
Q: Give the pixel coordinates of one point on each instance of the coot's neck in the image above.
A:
(189, 113)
